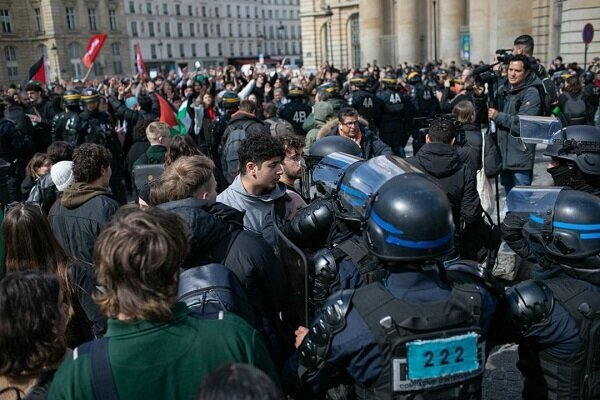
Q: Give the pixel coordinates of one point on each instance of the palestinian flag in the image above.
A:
(183, 118)
(168, 115)
(37, 72)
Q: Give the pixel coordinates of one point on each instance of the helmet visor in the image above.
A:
(538, 129)
(328, 173)
(537, 202)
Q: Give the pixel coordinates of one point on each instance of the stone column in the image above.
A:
(450, 19)
(371, 29)
(408, 31)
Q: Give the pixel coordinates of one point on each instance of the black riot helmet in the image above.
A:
(573, 233)
(296, 92)
(408, 219)
(579, 144)
(588, 77)
(330, 87)
(359, 81)
(362, 180)
(390, 81)
(89, 95)
(230, 101)
(72, 98)
(413, 78)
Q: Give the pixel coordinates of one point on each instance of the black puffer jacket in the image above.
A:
(457, 179)
(470, 151)
(79, 217)
(217, 236)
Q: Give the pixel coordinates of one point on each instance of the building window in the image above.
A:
(177, 10)
(193, 49)
(75, 60)
(204, 11)
(248, 30)
(134, 31)
(219, 30)
(131, 7)
(220, 49)
(167, 29)
(151, 29)
(239, 12)
(10, 54)
(38, 20)
(149, 8)
(355, 40)
(169, 50)
(92, 18)
(181, 50)
(217, 12)
(192, 31)
(293, 47)
(239, 30)
(142, 27)
(228, 11)
(241, 48)
(179, 29)
(190, 11)
(98, 67)
(153, 51)
(230, 30)
(112, 20)
(70, 18)
(207, 49)
(211, 29)
(205, 30)
(247, 12)
(231, 52)
(270, 14)
(165, 9)
(251, 48)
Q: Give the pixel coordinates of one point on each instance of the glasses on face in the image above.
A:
(350, 124)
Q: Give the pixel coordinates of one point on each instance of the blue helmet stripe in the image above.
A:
(422, 244)
(385, 225)
(536, 219)
(353, 192)
(577, 227)
(588, 236)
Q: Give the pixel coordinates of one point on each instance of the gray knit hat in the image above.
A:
(62, 174)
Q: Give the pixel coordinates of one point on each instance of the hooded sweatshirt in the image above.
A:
(323, 112)
(258, 209)
(79, 216)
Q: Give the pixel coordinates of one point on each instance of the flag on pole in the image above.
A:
(169, 116)
(93, 49)
(139, 61)
(37, 72)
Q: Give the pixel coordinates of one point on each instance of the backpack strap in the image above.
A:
(102, 377)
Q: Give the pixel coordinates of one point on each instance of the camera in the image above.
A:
(425, 123)
(504, 55)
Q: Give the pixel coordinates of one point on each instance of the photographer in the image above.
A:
(521, 97)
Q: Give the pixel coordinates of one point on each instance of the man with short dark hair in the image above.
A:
(351, 126)
(523, 45)
(87, 205)
(257, 187)
(521, 98)
(155, 347)
(439, 158)
(40, 111)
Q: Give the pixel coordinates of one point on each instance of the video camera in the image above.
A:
(485, 74)
(425, 123)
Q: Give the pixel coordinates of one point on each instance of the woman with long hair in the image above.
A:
(33, 317)
(38, 166)
(181, 145)
(30, 243)
(572, 108)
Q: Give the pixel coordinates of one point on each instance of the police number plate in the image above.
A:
(438, 362)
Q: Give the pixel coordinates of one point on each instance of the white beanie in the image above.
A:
(62, 174)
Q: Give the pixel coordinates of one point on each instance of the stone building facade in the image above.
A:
(60, 30)
(394, 31)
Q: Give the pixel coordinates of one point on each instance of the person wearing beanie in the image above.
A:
(62, 175)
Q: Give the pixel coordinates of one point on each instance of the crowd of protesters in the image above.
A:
(82, 266)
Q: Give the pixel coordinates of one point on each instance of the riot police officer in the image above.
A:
(67, 125)
(575, 153)
(555, 318)
(295, 111)
(396, 119)
(366, 103)
(330, 92)
(425, 103)
(96, 127)
(413, 331)
(229, 104)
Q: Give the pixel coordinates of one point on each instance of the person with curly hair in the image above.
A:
(86, 205)
(33, 316)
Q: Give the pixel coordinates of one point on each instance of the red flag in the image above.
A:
(37, 72)
(93, 49)
(139, 61)
(167, 111)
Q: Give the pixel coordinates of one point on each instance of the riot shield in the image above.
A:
(536, 203)
(295, 263)
(538, 130)
(328, 173)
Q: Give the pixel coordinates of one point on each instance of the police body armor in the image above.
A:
(367, 105)
(436, 349)
(295, 112)
(546, 375)
(96, 128)
(67, 126)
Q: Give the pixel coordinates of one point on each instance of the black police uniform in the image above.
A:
(368, 106)
(396, 119)
(67, 126)
(411, 332)
(426, 105)
(295, 112)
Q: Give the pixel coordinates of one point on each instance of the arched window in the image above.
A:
(75, 55)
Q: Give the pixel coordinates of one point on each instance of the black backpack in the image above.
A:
(574, 110)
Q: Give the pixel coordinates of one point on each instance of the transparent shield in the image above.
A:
(328, 173)
(537, 202)
(538, 129)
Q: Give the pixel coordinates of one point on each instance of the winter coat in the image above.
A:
(79, 216)
(523, 99)
(322, 113)
(457, 179)
(370, 144)
(470, 151)
(217, 236)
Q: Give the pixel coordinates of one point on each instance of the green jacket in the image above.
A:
(164, 360)
(155, 154)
